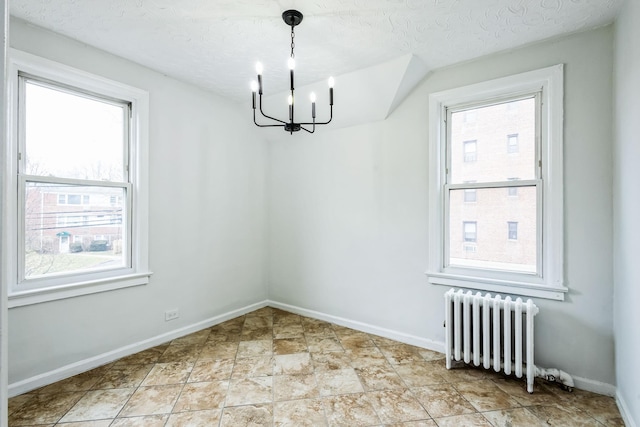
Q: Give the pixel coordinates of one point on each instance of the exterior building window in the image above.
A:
(470, 231)
(470, 195)
(59, 110)
(470, 151)
(534, 131)
(512, 191)
(512, 143)
(470, 247)
(73, 199)
(470, 117)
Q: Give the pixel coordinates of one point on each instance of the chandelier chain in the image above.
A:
(293, 35)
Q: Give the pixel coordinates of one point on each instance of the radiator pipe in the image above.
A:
(556, 375)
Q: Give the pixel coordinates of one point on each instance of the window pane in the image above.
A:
(482, 224)
(477, 147)
(62, 238)
(72, 136)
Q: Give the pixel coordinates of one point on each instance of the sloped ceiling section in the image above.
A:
(215, 43)
(363, 96)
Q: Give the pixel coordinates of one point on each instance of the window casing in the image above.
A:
(55, 205)
(539, 190)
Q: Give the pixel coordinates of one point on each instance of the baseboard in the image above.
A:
(624, 411)
(67, 371)
(594, 386)
(361, 326)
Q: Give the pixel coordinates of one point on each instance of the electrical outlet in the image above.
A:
(171, 314)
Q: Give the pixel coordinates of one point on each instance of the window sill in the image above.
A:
(37, 296)
(498, 286)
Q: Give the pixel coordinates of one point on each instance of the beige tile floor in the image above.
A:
(273, 368)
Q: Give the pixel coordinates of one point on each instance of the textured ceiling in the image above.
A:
(215, 43)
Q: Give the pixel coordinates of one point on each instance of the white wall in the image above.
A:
(348, 213)
(626, 209)
(207, 209)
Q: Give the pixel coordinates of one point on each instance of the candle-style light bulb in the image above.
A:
(313, 104)
(331, 82)
(291, 63)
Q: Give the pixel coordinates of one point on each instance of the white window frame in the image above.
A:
(549, 282)
(81, 283)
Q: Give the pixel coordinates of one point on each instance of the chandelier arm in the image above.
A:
(310, 131)
(269, 117)
(321, 123)
(315, 123)
(273, 118)
(264, 126)
(268, 126)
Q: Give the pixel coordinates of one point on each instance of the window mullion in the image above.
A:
(498, 184)
(73, 181)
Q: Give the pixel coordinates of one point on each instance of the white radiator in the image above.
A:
(493, 332)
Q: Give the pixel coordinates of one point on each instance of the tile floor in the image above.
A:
(273, 368)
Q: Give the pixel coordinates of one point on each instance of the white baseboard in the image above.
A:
(364, 327)
(75, 368)
(594, 386)
(624, 411)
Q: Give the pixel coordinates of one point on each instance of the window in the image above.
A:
(79, 142)
(470, 195)
(470, 117)
(470, 231)
(534, 218)
(470, 151)
(63, 199)
(512, 191)
(512, 141)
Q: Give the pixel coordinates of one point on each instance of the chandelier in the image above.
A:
(291, 18)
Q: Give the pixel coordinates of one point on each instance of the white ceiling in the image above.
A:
(215, 43)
